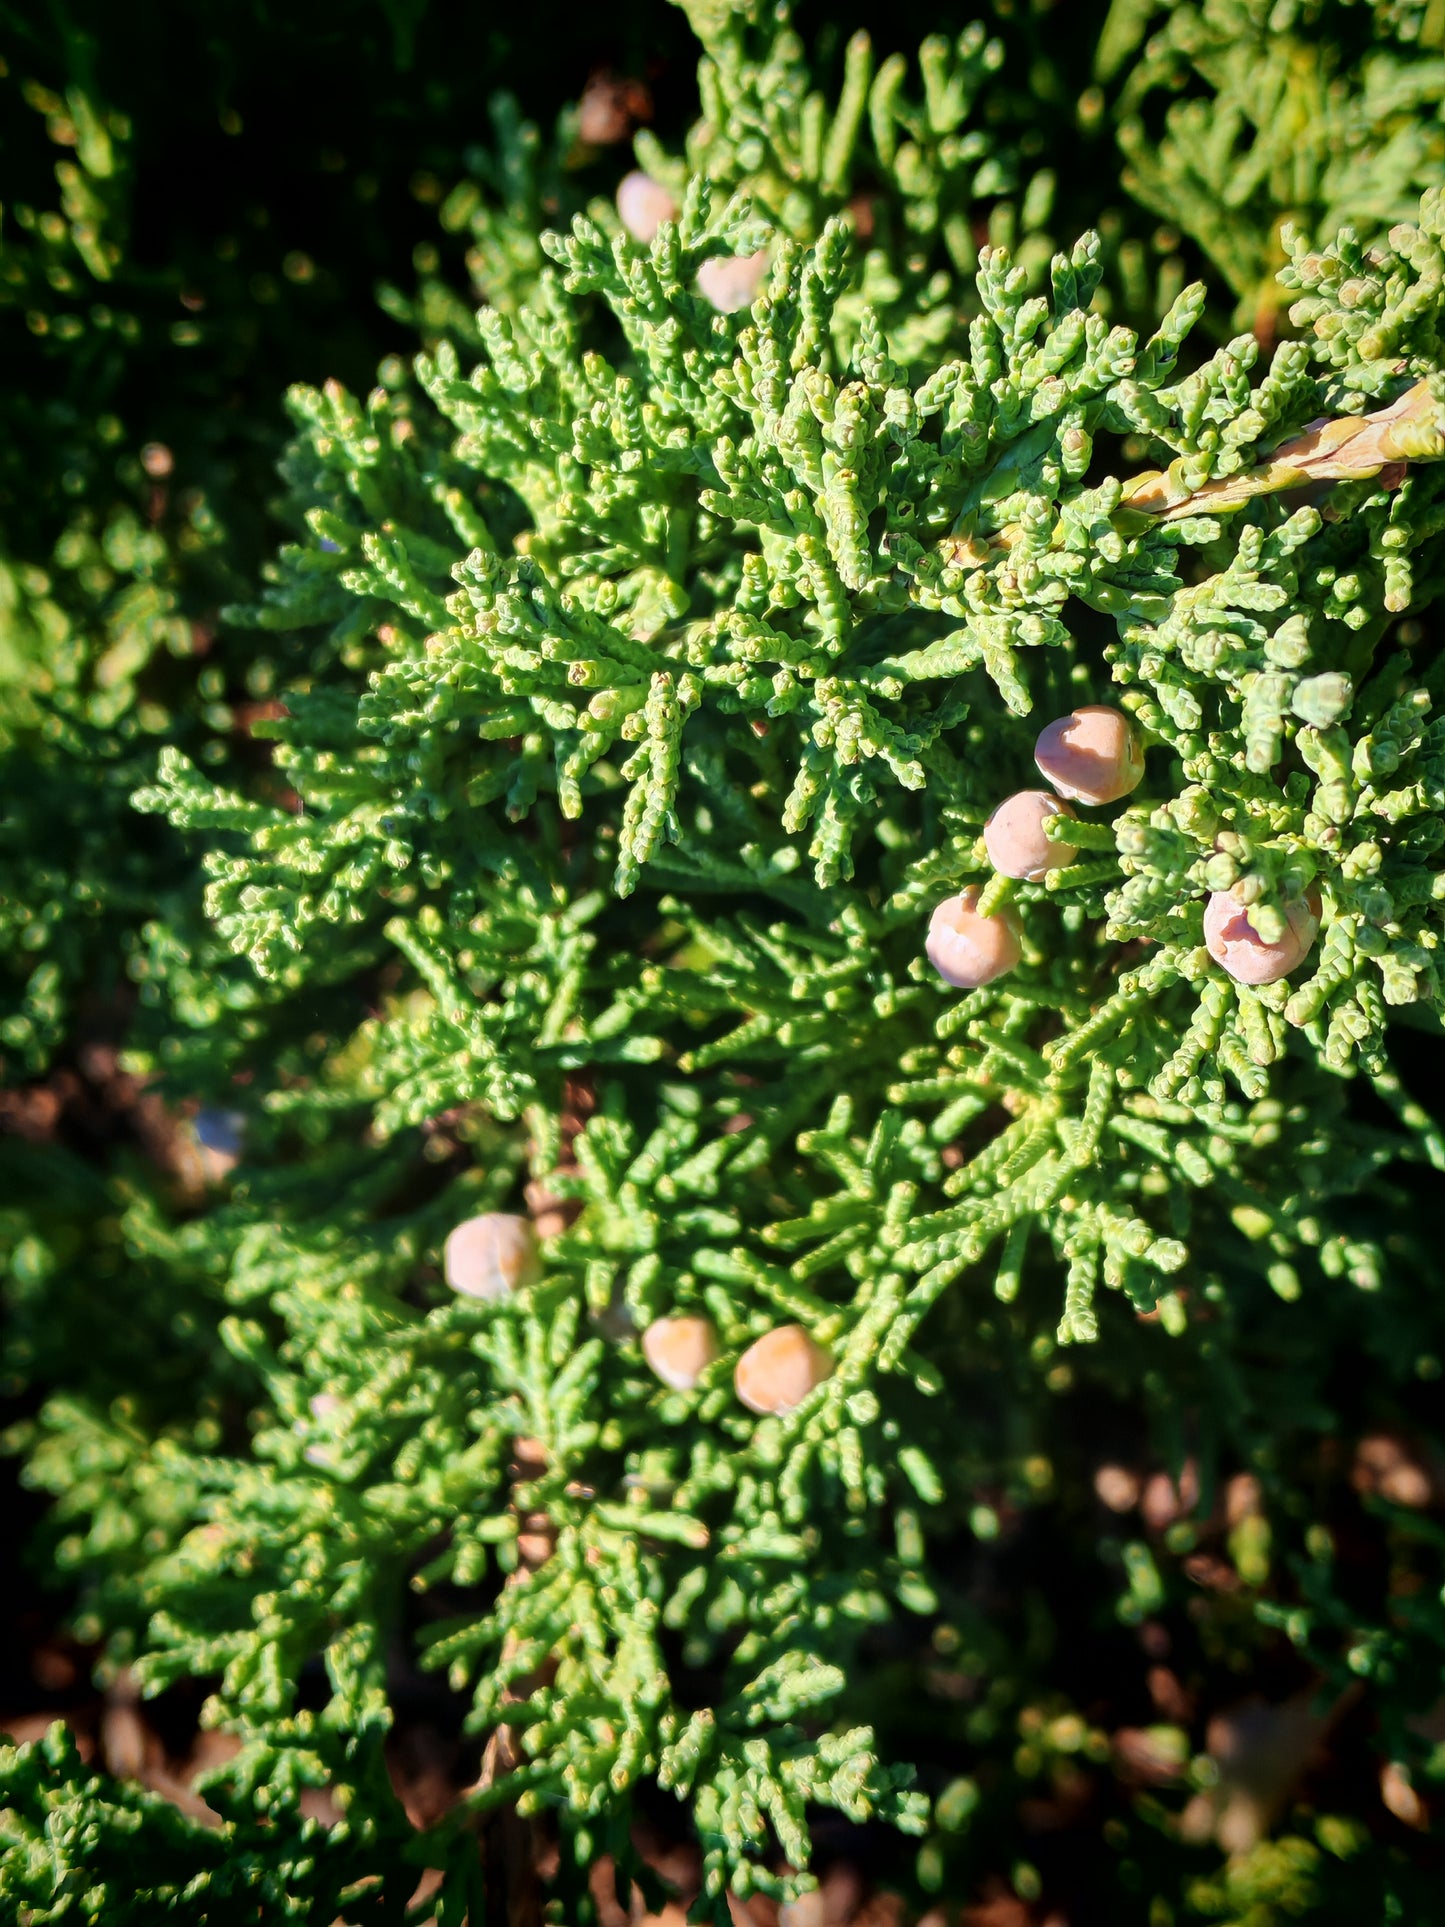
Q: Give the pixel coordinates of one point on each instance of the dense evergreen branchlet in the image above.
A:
(654, 671)
(1323, 112)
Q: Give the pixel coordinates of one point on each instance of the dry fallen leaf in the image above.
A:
(1386, 1467)
(1261, 1753)
(1400, 1797)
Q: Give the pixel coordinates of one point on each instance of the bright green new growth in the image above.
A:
(657, 673)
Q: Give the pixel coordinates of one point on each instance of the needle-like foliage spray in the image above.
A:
(657, 661)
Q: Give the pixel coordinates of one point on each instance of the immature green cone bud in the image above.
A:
(1230, 939)
(643, 204)
(966, 949)
(731, 282)
(680, 1350)
(1093, 754)
(1014, 836)
(492, 1256)
(776, 1374)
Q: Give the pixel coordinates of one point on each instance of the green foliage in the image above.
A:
(1313, 113)
(757, 523)
(79, 626)
(76, 1845)
(639, 676)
